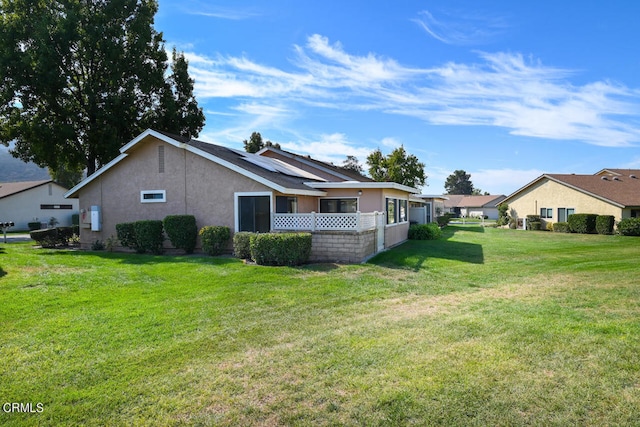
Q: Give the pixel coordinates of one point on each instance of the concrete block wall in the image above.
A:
(340, 246)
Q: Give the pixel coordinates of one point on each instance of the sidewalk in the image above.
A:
(15, 237)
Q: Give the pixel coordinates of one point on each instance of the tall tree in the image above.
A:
(353, 164)
(80, 78)
(398, 167)
(255, 143)
(459, 182)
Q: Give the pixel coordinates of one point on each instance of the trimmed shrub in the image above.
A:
(532, 219)
(182, 231)
(582, 223)
(561, 227)
(443, 220)
(242, 244)
(215, 239)
(34, 225)
(604, 224)
(534, 225)
(425, 232)
(281, 248)
(47, 238)
(65, 234)
(629, 227)
(126, 235)
(149, 236)
(52, 237)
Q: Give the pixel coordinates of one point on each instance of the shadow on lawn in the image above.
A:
(145, 259)
(415, 254)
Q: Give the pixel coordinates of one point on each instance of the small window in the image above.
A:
(286, 204)
(56, 207)
(153, 196)
(402, 211)
(570, 211)
(546, 213)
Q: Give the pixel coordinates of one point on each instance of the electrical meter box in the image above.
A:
(96, 218)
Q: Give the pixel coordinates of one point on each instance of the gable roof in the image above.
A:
(10, 188)
(467, 201)
(337, 171)
(614, 186)
(273, 173)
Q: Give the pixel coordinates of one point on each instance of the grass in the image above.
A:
(483, 327)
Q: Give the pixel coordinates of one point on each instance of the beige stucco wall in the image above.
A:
(550, 194)
(24, 207)
(193, 186)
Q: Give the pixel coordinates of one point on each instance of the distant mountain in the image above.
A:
(15, 170)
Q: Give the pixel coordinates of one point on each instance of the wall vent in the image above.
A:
(161, 159)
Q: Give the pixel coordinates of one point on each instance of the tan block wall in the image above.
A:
(334, 246)
(549, 194)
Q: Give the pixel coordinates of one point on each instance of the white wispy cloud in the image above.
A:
(332, 148)
(203, 8)
(503, 89)
(461, 28)
(503, 181)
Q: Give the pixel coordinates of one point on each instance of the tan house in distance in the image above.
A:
(556, 196)
(350, 216)
(476, 206)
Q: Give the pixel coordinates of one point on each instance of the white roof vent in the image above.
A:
(604, 178)
(633, 176)
(615, 178)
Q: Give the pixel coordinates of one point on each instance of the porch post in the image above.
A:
(313, 221)
(358, 223)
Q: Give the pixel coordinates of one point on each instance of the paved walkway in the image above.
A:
(13, 237)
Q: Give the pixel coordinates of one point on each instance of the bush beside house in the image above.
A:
(182, 231)
(425, 232)
(582, 223)
(215, 239)
(242, 244)
(605, 224)
(629, 227)
(281, 248)
(141, 236)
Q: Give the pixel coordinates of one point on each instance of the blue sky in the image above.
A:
(504, 90)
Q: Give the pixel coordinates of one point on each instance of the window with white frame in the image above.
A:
(546, 213)
(397, 210)
(153, 196)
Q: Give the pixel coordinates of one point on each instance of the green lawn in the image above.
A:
(483, 327)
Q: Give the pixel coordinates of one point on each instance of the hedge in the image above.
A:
(182, 231)
(126, 235)
(215, 239)
(141, 236)
(149, 236)
(561, 227)
(34, 225)
(242, 244)
(534, 222)
(582, 223)
(425, 232)
(281, 248)
(52, 237)
(605, 223)
(629, 227)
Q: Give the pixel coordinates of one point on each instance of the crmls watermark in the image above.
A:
(30, 408)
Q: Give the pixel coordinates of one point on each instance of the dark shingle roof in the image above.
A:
(238, 159)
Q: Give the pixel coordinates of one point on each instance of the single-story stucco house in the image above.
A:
(473, 206)
(556, 196)
(157, 174)
(35, 201)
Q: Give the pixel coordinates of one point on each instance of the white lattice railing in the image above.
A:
(324, 221)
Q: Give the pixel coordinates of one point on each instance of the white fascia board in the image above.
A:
(252, 175)
(150, 132)
(96, 174)
(363, 185)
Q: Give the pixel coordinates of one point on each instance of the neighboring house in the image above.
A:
(426, 208)
(35, 201)
(556, 196)
(474, 206)
(350, 216)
